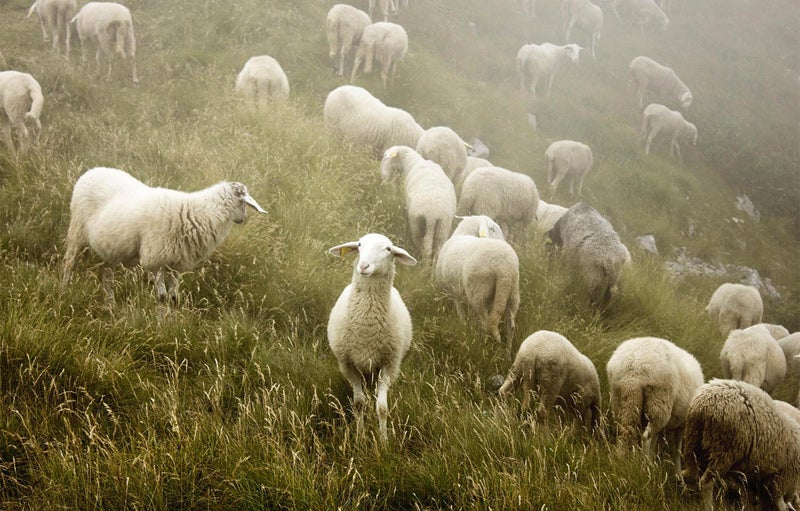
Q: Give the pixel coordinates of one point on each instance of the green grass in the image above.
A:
(233, 400)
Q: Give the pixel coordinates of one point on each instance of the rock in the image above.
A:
(478, 149)
(743, 203)
(648, 243)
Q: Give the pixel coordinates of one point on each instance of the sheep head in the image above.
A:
(376, 255)
(572, 51)
(242, 199)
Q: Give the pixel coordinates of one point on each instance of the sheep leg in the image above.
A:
(527, 390)
(22, 136)
(415, 228)
(580, 184)
(391, 74)
(356, 64)
(550, 83)
(130, 52)
(707, 490)
(7, 137)
(570, 24)
(108, 284)
(54, 32)
(677, 150)
(359, 398)
(385, 73)
(67, 39)
(382, 405)
(462, 316)
(653, 132)
(560, 173)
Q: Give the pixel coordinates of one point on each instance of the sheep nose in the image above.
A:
(363, 267)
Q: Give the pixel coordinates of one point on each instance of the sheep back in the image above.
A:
(443, 145)
(735, 306)
(754, 356)
(262, 78)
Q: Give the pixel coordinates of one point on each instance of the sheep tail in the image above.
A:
(37, 100)
(118, 30)
(503, 294)
(75, 18)
(629, 410)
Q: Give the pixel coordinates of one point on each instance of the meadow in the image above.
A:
(233, 400)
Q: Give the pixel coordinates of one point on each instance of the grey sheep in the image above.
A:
(754, 356)
(735, 306)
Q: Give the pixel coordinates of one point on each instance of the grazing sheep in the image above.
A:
(660, 119)
(54, 16)
(646, 13)
(478, 268)
(443, 146)
(651, 382)
(585, 15)
(570, 159)
(510, 198)
(735, 432)
(645, 73)
(550, 365)
(595, 248)
(126, 222)
(345, 25)
(361, 118)
(790, 345)
(109, 26)
(547, 215)
(754, 356)
(382, 8)
(535, 61)
(430, 198)
(473, 163)
(385, 43)
(735, 306)
(776, 331)
(369, 329)
(21, 102)
(262, 79)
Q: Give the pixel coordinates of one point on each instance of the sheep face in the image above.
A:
(376, 255)
(242, 200)
(686, 100)
(572, 51)
(390, 166)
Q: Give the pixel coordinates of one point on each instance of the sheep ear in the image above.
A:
(33, 8)
(403, 257)
(252, 203)
(344, 249)
(391, 152)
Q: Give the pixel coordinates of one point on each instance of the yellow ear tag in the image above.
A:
(482, 232)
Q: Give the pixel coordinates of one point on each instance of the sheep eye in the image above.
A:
(388, 249)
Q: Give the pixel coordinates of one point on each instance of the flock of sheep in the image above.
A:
(724, 431)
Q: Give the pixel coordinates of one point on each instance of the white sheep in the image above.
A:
(660, 119)
(443, 146)
(595, 248)
(54, 16)
(585, 15)
(345, 26)
(645, 73)
(262, 79)
(547, 215)
(548, 364)
(509, 198)
(570, 159)
(21, 102)
(754, 356)
(473, 163)
(776, 331)
(790, 345)
(126, 222)
(109, 26)
(429, 196)
(382, 43)
(735, 432)
(382, 9)
(735, 306)
(362, 119)
(477, 268)
(535, 61)
(646, 13)
(651, 382)
(369, 329)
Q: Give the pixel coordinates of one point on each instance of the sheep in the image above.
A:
(361, 118)
(735, 306)
(644, 73)
(550, 365)
(595, 248)
(646, 12)
(788, 411)
(429, 195)
(385, 43)
(585, 15)
(547, 215)
(54, 15)
(261, 79)
(478, 268)
(369, 328)
(382, 9)
(109, 26)
(510, 198)
(754, 356)
(735, 431)
(473, 163)
(124, 221)
(21, 102)
(443, 146)
(776, 331)
(535, 61)
(345, 25)
(790, 345)
(660, 119)
(570, 159)
(651, 382)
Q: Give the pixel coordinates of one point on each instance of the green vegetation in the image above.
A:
(233, 400)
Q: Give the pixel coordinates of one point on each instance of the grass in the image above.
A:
(233, 400)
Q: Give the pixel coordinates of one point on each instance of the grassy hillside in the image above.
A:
(233, 400)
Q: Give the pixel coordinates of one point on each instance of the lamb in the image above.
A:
(443, 146)
(478, 268)
(510, 198)
(126, 222)
(360, 118)
(790, 345)
(646, 11)
(660, 119)
(547, 215)
(385, 43)
(586, 16)
(382, 9)
(54, 15)
(735, 431)
(550, 365)
(261, 79)
(369, 329)
(109, 26)
(735, 306)
(595, 248)
(570, 159)
(21, 102)
(345, 25)
(651, 382)
(754, 356)
(429, 195)
(645, 73)
(535, 61)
